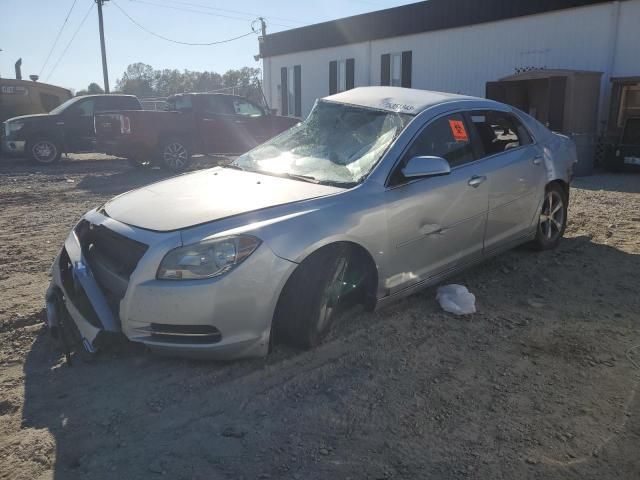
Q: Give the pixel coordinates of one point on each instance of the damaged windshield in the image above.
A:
(336, 144)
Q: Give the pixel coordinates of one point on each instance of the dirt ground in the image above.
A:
(540, 383)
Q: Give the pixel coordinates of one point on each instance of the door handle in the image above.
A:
(476, 180)
(537, 160)
(431, 229)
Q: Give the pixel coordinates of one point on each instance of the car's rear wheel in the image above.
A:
(175, 155)
(553, 218)
(43, 151)
(310, 299)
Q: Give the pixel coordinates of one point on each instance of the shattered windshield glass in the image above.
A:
(337, 144)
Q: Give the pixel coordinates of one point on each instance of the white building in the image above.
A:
(458, 46)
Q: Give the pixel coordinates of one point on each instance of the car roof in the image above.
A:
(397, 99)
(106, 95)
(207, 94)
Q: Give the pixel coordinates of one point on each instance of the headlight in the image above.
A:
(206, 259)
(11, 127)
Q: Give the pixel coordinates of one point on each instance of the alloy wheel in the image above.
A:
(44, 151)
(175, 156)
(332, 294)
(552, 217)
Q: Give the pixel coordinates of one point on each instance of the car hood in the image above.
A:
(22, 118)
(208, 195)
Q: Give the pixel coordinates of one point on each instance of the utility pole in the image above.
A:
(263, 25)
(105, 72)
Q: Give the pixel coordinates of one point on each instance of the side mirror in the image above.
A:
(426, 167)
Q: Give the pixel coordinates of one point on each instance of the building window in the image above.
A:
(341, 75)
(396, 69)
(629, 103)
(291, 91)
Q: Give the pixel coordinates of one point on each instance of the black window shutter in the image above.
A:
(333, 77)
(297, 90)
(406, 69)
(385, 69)
(350, 81)
(284, 91)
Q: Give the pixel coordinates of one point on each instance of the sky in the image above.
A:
(29, 28)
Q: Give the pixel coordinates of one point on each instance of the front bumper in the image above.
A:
(225, 317)
(13, 147)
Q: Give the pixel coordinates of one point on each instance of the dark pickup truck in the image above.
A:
(67, 128)
(192, 123)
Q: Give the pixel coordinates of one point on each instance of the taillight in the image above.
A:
(125, 125)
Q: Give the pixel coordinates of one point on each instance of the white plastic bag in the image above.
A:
(456, 299)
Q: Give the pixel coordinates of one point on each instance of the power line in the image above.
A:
(199, 5)
(183, 9)
(55, 42)
(252, 32)
(70, 41)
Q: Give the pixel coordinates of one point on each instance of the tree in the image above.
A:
(138, 80)
(92, 89)
(246, 82)
(142, 80)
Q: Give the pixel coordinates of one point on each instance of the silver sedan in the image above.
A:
(380, 192)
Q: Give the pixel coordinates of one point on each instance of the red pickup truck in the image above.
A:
(206, 123)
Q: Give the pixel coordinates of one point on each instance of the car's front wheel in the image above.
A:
(553, 218)
(43, 151)
(175, 155)
(309, 302)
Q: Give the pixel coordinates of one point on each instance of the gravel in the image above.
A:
(539, 383)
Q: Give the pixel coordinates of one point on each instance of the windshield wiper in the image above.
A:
(335, 183)
(304, 178)
(331, 183)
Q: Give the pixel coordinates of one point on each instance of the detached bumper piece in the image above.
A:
(90, 278)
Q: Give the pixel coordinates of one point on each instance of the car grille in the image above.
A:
(112, 259)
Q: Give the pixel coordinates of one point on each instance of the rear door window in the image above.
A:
(246, 108)
(180, 103)
(119, 103)
(498, 132)
(217, 105)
